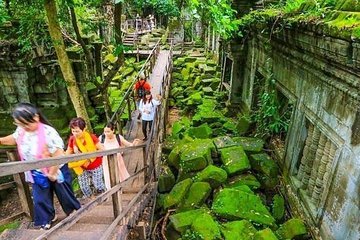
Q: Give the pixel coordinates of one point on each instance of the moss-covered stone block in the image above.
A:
(183, 124)
(223, 142)
(166, 180)
(182, 221)
(243, 188)
(196, 155)
(265, 234)
(250, 145)
(206, 227)
(174, 156)
(208, 91)
(182, 175)
(266, 168)
(202, 131)
(177, 193)
(230, 126)
(278, 207)
(244, 179)
(238, 230)
(194, 99)
(234, 204)
(160, 201)
(213, 175)
(292, 228)
(196, 196)
(169, 144)
(243, 124)
(175, 92)
(234, 159)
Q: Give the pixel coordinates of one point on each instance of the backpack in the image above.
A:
(141, 90)
(102, 138)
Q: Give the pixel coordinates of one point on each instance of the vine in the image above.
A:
(272, 116)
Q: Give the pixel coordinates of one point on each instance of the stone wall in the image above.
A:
(320, 76)
(40, 83)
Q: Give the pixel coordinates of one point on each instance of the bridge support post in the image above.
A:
(114, 180)
(23, 189)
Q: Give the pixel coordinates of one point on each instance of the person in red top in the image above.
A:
(82, 141)
(141, 86)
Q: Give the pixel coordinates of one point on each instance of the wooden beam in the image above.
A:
(11, 218)
(7, 185)
(116, 199)
(23, 189)
(22, 166)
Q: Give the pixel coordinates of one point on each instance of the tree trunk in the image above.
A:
(88, 55)
(119, 62)
(64, 61)
(108, 23)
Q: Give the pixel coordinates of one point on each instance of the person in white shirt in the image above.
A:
(147, 108)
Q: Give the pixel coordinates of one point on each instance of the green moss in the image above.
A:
(223, 142)
(244, 179)
(292, 228)
(237, 230)
(234, 204)
(12, 225)
(278, 207)
(265, 234)
(206, 227)
(250, 145)
(196, 155)
(166, 180)
(266, 168)
(234, 160)
(182, 221)
(196, 196)
(213, 175)
(203, 131)
(177, 193)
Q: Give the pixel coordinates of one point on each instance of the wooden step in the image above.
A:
(77, 235)
(87, 227)
(30, 234)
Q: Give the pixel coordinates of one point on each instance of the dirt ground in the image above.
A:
(174, 115)
(10, 204)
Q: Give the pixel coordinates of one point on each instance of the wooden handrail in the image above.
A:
(10, 168)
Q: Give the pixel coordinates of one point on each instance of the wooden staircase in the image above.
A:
(90, 226)
(130, 39)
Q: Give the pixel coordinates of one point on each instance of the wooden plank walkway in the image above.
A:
(155, 80)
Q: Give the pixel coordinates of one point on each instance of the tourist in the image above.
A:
(35, 140)
(82, 141)
(111, 140)
(147, 109)
(141, 86)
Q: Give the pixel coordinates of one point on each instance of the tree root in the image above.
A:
(163, 227)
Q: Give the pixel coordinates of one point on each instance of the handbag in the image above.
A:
(40, 179)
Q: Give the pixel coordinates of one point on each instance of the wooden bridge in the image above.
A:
(112, 214)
